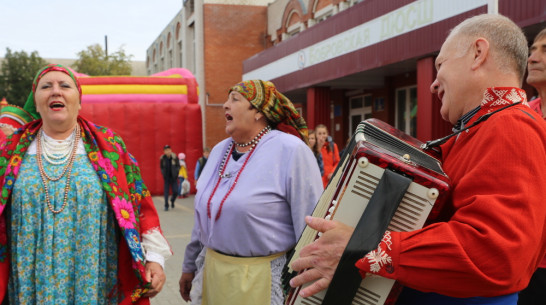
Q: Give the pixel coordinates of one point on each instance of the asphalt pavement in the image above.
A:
(176, 224)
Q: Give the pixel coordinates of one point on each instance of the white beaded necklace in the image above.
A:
(67, 169)
(57, 151)
(254, 142)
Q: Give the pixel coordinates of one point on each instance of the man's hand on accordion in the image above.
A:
(319, 259)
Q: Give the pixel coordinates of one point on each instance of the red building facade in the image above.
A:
(372, 58)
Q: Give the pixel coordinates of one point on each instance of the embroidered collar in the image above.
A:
(495, 99)
(503, 96)
(495, 96)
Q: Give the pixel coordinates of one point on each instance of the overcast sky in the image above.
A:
(62, 28)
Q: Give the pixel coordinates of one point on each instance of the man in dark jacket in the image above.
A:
(170, 166)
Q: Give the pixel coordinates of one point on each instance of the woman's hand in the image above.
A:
(155, 275)
(320, 258)
(185, 285)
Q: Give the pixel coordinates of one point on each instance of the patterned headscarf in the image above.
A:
(276, 107)
(30, 105)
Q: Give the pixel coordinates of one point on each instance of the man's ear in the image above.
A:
(480, 49)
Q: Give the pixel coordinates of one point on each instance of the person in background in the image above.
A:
(170, 166)
(201, 163)
(77, 223)
(329, 152)
(314, 148)
(490, 236)
(535, 293)
(183, 183)
(251, 201)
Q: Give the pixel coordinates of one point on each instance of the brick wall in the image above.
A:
(231, 34)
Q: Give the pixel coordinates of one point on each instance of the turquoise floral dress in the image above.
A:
(64, 258)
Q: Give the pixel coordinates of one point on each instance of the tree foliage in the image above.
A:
(17, 74)
(94, 62)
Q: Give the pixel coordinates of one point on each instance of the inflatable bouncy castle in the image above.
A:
(148, 112)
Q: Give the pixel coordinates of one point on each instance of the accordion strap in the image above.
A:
(483, 118)
(367, 235)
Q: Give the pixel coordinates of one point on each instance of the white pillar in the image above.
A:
(493, 6)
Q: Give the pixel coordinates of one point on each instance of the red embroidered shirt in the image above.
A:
(490, 238)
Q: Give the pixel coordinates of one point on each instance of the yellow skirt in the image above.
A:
(237, 280)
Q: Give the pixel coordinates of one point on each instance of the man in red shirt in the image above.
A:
(490, 238)
(535, 293)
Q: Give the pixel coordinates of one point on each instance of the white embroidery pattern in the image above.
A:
(487, 98)
(498, 97)
(513, 96)
(379, 258)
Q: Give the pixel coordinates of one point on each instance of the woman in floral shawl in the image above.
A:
(77, 224)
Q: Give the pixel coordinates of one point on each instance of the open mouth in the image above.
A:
(56, 105)
(229, 118)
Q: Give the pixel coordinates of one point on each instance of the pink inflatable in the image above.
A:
(148, 113)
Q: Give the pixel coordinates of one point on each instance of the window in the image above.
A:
(293, 25)
(178, 31)
(323, 13)
(180, 58)
(406, 110)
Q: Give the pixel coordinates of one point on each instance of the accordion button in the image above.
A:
(433, 193)
(363, 162)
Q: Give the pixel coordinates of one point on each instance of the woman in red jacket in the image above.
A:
(329, 151)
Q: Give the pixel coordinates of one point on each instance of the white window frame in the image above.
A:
(362, 111)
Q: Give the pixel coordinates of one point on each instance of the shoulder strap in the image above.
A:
(483, 118)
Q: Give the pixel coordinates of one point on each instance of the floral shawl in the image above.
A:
(126, 193)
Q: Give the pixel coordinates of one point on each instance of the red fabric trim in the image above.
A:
(288, 129)
(379, 261)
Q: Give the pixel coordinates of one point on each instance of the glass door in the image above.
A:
(406, 110)
(360, 110)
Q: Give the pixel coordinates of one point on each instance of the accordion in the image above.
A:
(384, 181)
